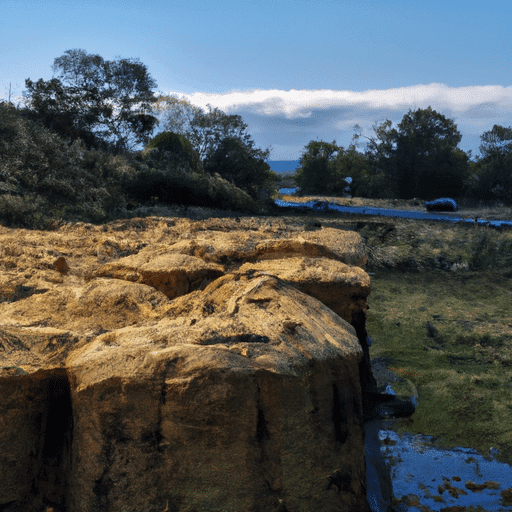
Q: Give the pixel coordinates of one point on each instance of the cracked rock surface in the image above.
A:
(165, 364)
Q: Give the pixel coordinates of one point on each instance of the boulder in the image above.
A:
(102, 304)
(172, 274)
(342, 288)
(173, 365)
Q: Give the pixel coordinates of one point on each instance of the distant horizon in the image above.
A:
(283, 166)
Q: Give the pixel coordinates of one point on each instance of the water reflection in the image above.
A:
(438, 479)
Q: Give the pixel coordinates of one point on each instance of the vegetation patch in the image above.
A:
(462, 370)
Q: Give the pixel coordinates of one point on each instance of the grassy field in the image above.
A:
(441, 316)
(461, 365)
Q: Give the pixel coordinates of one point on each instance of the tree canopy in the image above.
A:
(495, 166)
(96, 100)
(223, 143)
(179, 148)
(178, 114)
(420, 158)
(314, 175)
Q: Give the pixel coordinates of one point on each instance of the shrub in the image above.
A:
(176, 185)
(18, 211)
(43, 176)
(490, 249)
(176, 148)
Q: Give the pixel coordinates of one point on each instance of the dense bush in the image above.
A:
(70, 154)
(156, 177)
(35, 161)
(178, 148)
(22, 211)
(43, 176)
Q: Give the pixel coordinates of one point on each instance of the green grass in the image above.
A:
(463, 374)
(459, 278)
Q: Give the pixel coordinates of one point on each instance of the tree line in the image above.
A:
(83, 146)
(419, 158)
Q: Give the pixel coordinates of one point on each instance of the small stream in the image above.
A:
(426, 478)
(379, 486)
(386, 212)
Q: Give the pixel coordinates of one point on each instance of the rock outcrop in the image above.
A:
(164, 364)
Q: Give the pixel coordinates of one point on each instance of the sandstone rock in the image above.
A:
(236, 247)
(346, 245)
(341, 287)
(98, 305)
(172, 274)
(182, 366)
(234, 406)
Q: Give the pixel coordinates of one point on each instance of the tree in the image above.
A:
(209, 128)
(223, 143)
(178, 149)
(326, 166)
(352, 164)
(420, 157)
(205, 129)
(243, 165)
(376, 179)
(96, 100)
(315, 172)
(495, 166)
(178, 113)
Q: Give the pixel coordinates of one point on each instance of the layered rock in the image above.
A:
(174, 274)
(173, 365)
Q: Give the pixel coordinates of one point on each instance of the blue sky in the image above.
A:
(295, 70)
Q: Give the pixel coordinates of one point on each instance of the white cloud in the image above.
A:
(303, 103)
(288, 120)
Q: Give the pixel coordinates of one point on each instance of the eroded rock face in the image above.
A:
(342, 288)
(179, 366)
(173, 274)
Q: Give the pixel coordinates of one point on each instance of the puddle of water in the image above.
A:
(427, 478)
(443, 478)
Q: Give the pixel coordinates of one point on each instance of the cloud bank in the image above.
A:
(288, 120)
